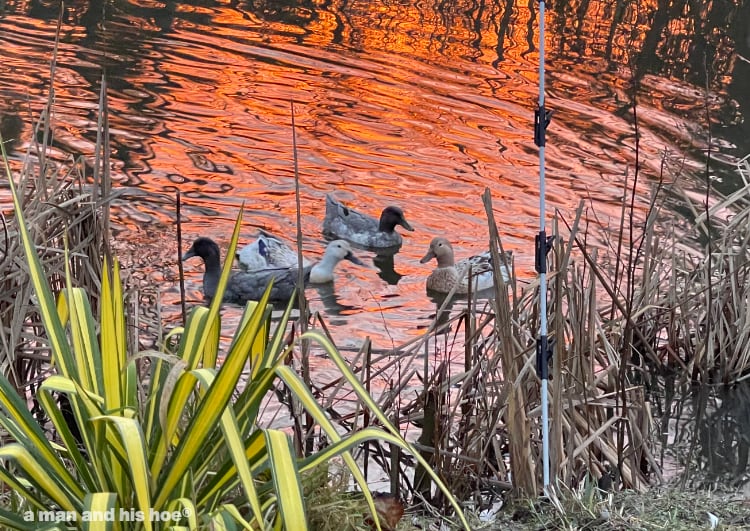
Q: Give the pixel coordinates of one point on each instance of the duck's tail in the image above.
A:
(332, 206)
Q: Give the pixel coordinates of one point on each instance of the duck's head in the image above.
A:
(204, 247)
(339, 250)
(441, 250)
(392, 216)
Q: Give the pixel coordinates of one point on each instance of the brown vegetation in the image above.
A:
(65, 213)
(630, 376)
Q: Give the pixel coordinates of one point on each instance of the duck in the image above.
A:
(361, 229)
(448, 271)
(268, 251)
(244, 286)
(336, 251)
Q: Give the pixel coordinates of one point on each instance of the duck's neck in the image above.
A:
(323, 270)
(446, 261)
(211, 276)
(386, 225)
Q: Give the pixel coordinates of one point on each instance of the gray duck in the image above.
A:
(343, 222)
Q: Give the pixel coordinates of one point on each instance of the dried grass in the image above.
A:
(629, 340)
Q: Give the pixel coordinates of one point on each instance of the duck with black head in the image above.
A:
(343, 222)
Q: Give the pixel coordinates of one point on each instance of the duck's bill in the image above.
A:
(426, 258)
(354, 259)
(188, 254)
(405, 224)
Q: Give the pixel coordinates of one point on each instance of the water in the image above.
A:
(419, 104)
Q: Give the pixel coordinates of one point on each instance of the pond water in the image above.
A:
(418, 104)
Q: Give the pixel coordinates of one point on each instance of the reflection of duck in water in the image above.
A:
(243, 286)
(384, 263)
(449, 272)
(442, 314)
(331, 303)
(348, 224)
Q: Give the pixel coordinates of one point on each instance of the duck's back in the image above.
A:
(481, 272)
(250, 258)
(250, 285)
(267, 252)
(442, 279)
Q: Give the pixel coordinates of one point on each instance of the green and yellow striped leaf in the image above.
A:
(11, 520)
(23, 428)
(188, 510)
(132, 440)
(113, 339)
(98, 507)
(212, 405)
(286, 480)
(37, 473)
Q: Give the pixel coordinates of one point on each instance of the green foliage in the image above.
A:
(174, 443)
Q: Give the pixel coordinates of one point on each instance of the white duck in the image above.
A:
(336, 251)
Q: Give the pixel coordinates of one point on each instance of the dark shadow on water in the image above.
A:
(11, 126)
(441, 317)
(457, 303)
(384, 263)
(438, 298)
(326, 295)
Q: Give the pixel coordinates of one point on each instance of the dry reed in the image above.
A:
(66, 209)
(618, 367)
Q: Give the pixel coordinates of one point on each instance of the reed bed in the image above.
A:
(479, 410)
(650, 359)
(67, 211)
